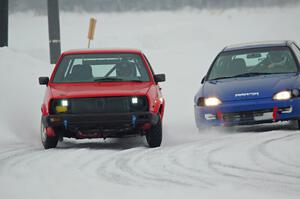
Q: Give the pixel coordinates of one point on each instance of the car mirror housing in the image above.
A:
(160, 78)
(43, 80)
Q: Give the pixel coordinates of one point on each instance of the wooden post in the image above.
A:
(91, 32)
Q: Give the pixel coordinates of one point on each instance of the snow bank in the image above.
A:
(21, 96)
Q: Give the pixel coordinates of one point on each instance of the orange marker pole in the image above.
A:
(91, 32)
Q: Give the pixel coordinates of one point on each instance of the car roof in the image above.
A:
(262, 44)
(95, 51)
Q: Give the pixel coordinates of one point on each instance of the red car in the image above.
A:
(102, 94)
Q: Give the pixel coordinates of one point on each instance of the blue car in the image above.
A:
(251, 84)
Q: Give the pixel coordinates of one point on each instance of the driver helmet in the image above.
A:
(125, 69)
(277, 56)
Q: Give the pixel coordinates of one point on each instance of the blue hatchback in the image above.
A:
(251, 84)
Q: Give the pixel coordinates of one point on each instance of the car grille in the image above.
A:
(105, 105)
(246, 116)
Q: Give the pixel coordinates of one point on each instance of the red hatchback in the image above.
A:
(102, 94)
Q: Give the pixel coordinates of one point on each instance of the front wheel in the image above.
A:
(48, 142)
(154, 135)
(294, 125)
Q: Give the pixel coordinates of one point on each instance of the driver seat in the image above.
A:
(238, 66)
(81, 73)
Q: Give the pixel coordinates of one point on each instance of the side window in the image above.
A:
(296, 51)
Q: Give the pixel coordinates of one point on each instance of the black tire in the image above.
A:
(154, 135)
(203, 128)
(293, 125)
(48, 142)
(298, 122)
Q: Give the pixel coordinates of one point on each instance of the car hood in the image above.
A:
(80, 90)
(256, 87)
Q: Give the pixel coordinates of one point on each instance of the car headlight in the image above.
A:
(212, 101)
(138, 103)
(283, 95)
(61, 106)
(134, 100)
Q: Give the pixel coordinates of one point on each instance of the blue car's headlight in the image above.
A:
(283, 95)
(209, 101)
(212, 101)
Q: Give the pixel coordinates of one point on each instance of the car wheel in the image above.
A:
(298, 122)
(203, 128)
(48, 142)
(154, 135)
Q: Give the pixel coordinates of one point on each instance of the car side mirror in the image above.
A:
(203, 80)
(160, 78)
(43, 80)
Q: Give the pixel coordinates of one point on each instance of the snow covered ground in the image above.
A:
(250, 162)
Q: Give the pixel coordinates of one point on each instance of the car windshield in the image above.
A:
(105, 67)
(253, 62)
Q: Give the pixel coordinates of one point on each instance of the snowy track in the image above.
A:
(238, 159)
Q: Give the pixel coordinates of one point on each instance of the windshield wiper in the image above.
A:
(241, 75)
(133, 80)
(219, 78)
(115, 79)
(108, 79)
(251, 74)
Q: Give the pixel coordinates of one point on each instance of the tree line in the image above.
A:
(39, 6)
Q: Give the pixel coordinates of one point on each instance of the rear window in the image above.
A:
(113, 67)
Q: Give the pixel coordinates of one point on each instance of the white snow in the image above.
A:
(257, 162)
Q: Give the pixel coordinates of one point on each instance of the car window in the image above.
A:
(101, 68)
(253, 62)
(296, 51)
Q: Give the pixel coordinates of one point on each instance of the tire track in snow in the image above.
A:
(12, 155)
(128, 168)
(250, 174)
(263, 150)
(210, 162)
(158, 167)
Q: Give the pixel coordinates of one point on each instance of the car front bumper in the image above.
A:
(100, 125)
(248, 112)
